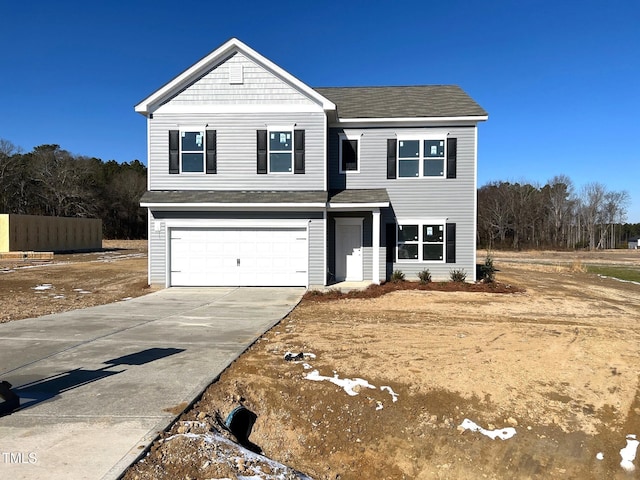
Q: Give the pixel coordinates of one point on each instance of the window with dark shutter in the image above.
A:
(349, 155)
(262, 152)
(298, 145)
(391, 158)
(212, 166)
(451, 243)
(452, 155)
(174, 151)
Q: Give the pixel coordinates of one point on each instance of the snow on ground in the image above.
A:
(501, 433)
(44, 286)
(351, 386)
(249, 465)
(619, 279)
(628, 453)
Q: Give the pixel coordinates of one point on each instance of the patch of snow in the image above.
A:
(44, 286)
(619, 279)
(232, 453)
(306, 366)
(80, 290)
(628, 453)
(600, 456)
(58, 296)
(393, 394)
(125, 299)
(503, 433)
(379, 405)
(348, 384)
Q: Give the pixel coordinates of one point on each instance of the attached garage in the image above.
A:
(238, 256)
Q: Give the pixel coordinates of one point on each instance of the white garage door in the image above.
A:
(238, 256)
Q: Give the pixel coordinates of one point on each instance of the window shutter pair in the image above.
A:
(452, 155)
(174, 152)
(298, 153)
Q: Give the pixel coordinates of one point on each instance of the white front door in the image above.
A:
(349, 249)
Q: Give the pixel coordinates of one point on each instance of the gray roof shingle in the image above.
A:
(372, 195)
(233, 196)
(402, 102)
(375, 195)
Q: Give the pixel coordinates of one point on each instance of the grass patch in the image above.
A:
(621, 273)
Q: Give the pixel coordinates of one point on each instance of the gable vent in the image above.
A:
(236, 74)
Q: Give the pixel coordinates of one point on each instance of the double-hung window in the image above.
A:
(192, 151)
(422, 242)
(280, 151)
(421, 157)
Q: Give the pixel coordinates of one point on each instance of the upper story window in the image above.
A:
(280, 151)
(192, 151)
(349, 154)
(421, 157)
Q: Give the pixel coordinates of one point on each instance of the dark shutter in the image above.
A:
(452, 155)
(391, 157)
(262, 151)
(391, 242)
(349, 155)
(212, 163)
(174, 151)
(298, 155)
(451, 243)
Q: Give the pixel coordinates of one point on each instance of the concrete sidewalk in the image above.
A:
(98, 384)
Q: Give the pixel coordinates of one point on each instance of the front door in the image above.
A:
(349, 249)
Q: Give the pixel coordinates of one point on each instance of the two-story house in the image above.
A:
(255, 178)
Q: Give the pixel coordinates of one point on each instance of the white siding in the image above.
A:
(415, 198)
(259, 87)
(236, 152)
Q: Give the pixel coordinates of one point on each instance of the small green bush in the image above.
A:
(458, 275)
(397, 276)
(487, 270)
(424, 276)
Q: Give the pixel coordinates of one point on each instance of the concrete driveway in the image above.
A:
(98, 384)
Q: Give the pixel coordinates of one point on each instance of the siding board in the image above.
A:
(413, 198)
(236, 152)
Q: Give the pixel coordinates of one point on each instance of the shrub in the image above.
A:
(397, 276)
(487, 270)
(458, 275)
(424, 276)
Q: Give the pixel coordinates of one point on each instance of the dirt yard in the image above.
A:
(558, 364)
(386, 384)
(71, 281)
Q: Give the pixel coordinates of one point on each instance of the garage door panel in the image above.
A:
(241, 256)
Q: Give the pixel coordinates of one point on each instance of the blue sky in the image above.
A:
(560, 80)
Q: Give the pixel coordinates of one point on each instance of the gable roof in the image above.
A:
(421, 101)
(206, 64)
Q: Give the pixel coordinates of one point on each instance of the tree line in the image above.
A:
(52, 181)
(555, 215)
